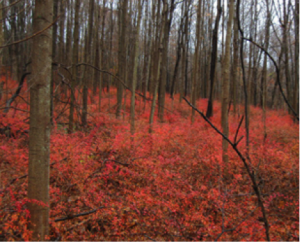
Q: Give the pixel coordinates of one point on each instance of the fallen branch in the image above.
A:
(78, 215)
(9, 101)
(250, 173)
(24, 176)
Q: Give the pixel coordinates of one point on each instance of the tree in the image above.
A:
(87, 58)
(209, 111)
(196, 60)
(235, 64)
(296, 88)
(39, 134)
(162, 85)
(121, 54)
(158, 70)
(225, 81)
(135, 63)
(74, 62)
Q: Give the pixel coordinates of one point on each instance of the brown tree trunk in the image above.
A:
(214, 52)
(296, 88)
(121, 54)
(88, 59)
(135, 65)
(235, 65)
(103, 13)
(196, 60)
(264, 72)
(39, 133)
(163, 78)
(225, 82)
(54, 35)
(74, 63)
(158, 70)
(285, 48)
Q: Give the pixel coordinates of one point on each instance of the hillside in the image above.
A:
(168, 185)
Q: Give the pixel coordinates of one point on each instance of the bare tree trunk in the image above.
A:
(103, 12)
(158, 71)
(54, 33)
(1, 36)
(39, 133)
(134, 79)
(264, 72)
(163, 77)
(225, 82)
(235, 65)
(178, 53)
(88, 59)
(96, 48)
(110, 47)
(121, 54)
(196, 60)
(209, 111)
(74, 62)
(285, 48)
(296, 88)
(184, 52)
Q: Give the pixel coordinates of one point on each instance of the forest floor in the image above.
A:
(107, 184)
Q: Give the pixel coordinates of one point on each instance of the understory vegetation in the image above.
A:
(170, 184)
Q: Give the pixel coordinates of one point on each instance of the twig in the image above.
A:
(149, 237)
(278, 75)
(78, 215)
(9, 101)
(24, 176)
(30, 37)
(237, 131)
(235, 227)
(12, 4)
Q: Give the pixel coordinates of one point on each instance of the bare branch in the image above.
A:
(32, 36)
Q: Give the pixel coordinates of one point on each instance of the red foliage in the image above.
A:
(167, 185)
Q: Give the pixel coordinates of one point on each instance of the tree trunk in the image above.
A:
(264, 72)
(134, 79)
(209, 111)
(39, 133)
(103, 12)
(285, 48)
(88, 59)
(163, 78)
(74, 68)
(54, 33)
(225, 82)
(121, 54)
(158, 70)
(296, 88)
(196, 61)
(235, 65)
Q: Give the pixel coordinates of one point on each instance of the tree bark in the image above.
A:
(39, 133)
(74, 62)
(158, 71)
(163, 78)
(296, 88)
(225, 82)
(235, 65)
(209, 111)
(134, 79)
(196, 60)
(121, 54)
(88, 59)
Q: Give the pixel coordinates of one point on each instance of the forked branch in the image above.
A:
(250, 173)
